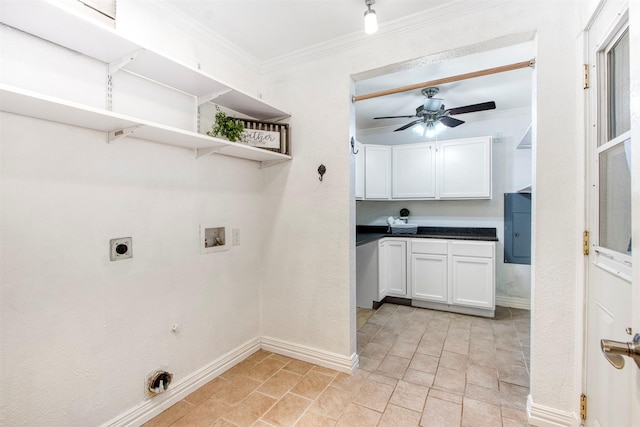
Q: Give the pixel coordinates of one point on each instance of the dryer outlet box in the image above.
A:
(121, 248)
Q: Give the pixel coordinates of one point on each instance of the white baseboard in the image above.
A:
(148, 409)
(513, 302)
(311, 355)
(544, 416)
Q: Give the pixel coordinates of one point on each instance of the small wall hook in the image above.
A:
(321, 170)
(353, 146)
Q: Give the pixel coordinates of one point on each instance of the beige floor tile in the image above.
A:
(206, 391)
(514, 374)
(250, 409)
(396, 416)
(331, 403)
(409, 395)
(312, 384)
(440, 325)
(480, 414)
(359, 416)
(513, 396)
(287, 411)
(435, 335)
(482, 376)
(241, 369)
(510, 357)
(236, 391)
(393, 366)
(325, 371)
(298, 367)
(170, 415)
(376, 351)
(265, 369)
(224, 423)
(507, 422)
(281, 357)
(455, 361)
(450, 380)
(483, 394)
(514, 414)
(350, 383)
(404, 349)
(375, 376)
(258, 356)
(429, 347)
(310, 419)
(205, 414)
(374, 395)
(369, 364)
(441, 413)
(280, 383)
(419, 377)
(424, 363)
(412, 337)
(446, 395)
(455, 345)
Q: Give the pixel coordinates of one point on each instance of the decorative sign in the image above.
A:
(261, 138)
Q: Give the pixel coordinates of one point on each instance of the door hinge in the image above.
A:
(585, 243)
(585, 75)
(583, 406)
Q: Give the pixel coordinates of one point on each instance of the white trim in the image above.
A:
(513, 302)
(545, 416)
(311, 355)
(148, 409)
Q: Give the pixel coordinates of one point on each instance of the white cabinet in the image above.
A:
(472, 274)
(414, 171)
(453, 275)
(377, 170)
(392, 264)
(359, 170)
(464, 168)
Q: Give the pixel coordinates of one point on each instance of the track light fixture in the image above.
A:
(370, 19)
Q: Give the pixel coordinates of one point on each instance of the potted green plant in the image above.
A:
(227, 127)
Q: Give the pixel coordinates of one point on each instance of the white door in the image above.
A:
(377, 172)
(414, 171)
(609, 273)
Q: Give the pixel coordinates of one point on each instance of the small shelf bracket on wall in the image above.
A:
(206, 98)
(115, 66)
(118, 134)
(201, 152)
(267, 163)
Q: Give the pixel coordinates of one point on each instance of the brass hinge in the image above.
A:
(583, 407)
(585, 243)
(585, 75)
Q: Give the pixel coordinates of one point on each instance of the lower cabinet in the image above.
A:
(392, 265)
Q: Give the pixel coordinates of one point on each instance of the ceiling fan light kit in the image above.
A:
(370, 18)
(432, 114)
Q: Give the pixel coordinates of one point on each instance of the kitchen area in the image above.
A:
(443, 211)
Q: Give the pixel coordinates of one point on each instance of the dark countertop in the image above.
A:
(371, 233)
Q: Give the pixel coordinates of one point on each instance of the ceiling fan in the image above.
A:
(433, 111)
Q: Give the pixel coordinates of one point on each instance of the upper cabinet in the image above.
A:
(455, 169)
(465, 168)
(414, 171)
(63, 26)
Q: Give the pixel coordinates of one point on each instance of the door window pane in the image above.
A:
(618, 87)
(615, 198)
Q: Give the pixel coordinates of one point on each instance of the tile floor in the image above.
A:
(417, 368)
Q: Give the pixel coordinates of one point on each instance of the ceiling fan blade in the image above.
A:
(393, 117)
(473, 108)
(408, 125)
(451, 122)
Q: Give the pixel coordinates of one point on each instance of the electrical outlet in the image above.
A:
(235, 236)
(121, 248)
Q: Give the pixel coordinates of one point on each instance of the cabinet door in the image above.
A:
(393, 268)
(465, 168)
(377, 172)
(413, 171)
(472, 281)
(359, 171)
(429, 277)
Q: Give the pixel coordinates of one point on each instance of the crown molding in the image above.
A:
(446, 11)
(204, 34)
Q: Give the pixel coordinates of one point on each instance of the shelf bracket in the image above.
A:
(201, 152)
(119, 64)
(212, 96)
(117, 134)
(277, 119)
(267, 163)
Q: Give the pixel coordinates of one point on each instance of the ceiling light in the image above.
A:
(370, 19)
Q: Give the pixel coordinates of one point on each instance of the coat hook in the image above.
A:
(353, 146)
(321, 170)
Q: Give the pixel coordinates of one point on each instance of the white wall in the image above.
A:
(313, 264)
(511, 172)
(80, 333)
